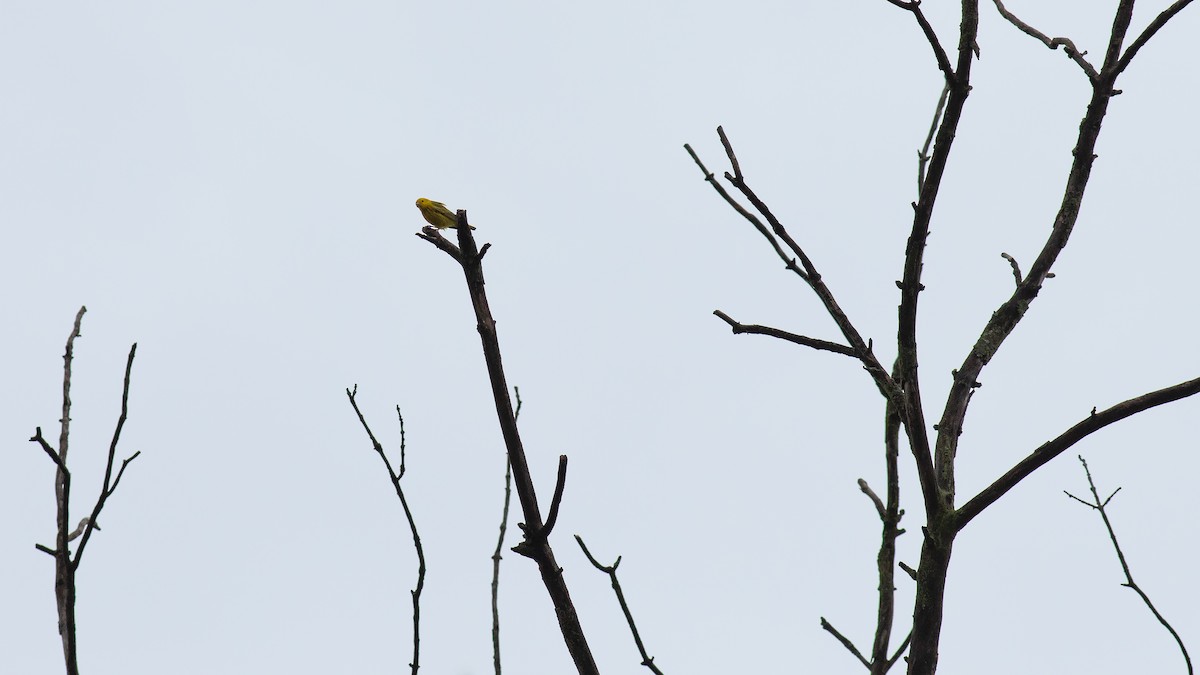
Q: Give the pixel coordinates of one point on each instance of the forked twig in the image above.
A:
(1099, 506)
(395, 476)
(611, 571)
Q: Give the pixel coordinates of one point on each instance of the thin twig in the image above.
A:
(556, 501)
(395, 477)
(1130, 583)
(939, 53)
(743, 211)
(900, 650)
(804, 268)
(496, 556)
(845, 642)
(923, 153)
(611, 571)
(755, 329)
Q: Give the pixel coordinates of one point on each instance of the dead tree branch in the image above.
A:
(939, 53)
(923, 153)
(1053, 43)
(535, 545)
(395, 476)
(611, 571)
(66, 565)
(1129, 582)
(805, 269)
(1155, 26)
(1095, 421)
(755, 329)
(496, 555)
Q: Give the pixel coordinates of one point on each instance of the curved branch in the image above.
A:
(395, 478)
(1051, 449)
(1053, 43)
(939, 53)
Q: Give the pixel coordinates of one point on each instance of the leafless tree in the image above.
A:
(905, 412)
(66, 564)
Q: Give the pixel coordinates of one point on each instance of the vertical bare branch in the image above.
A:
(886, 560)
(923, 153)
(496, 557)
(64, 571)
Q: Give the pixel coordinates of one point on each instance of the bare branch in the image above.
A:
(1120, 27)
(755, 329)
(45, 445)
(1130, 583)
(885, 560)
(1006, 317)
(866, 490)
(433, 236)
(1016, 269)
(754, 220)
(1051, 449)
(534, 546)
(496, 555)
(611, 571)
(943, 60)
(807, 271)
(923, 153)
(110, 485)
(556, 501)
(395, 477)
(845, 642)
(900, 650)
(936, 479)
(1053, 43)
(1155, 26)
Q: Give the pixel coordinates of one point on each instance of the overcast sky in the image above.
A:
(231, 186)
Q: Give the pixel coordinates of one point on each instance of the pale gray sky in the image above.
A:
(230, 185)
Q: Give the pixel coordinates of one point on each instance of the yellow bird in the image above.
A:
(438, 215)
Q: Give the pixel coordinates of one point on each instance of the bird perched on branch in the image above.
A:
(438, 215)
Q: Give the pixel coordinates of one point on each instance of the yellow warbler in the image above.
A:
(437, 214)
